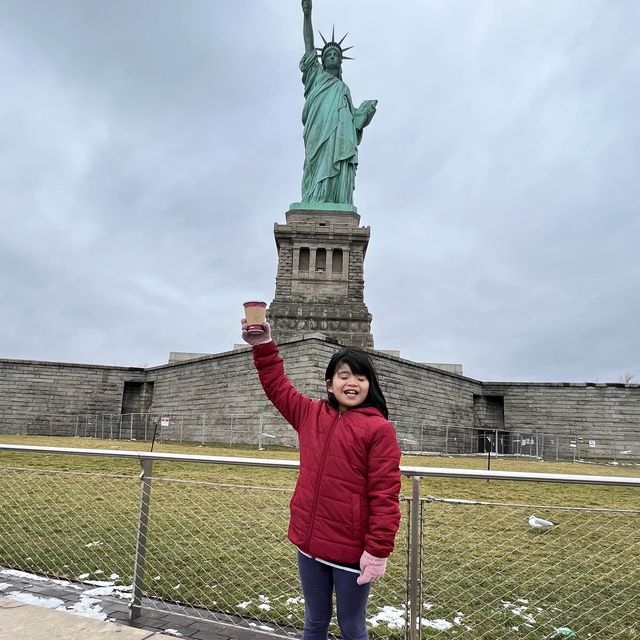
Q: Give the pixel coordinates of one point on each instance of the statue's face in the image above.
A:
(332, 59)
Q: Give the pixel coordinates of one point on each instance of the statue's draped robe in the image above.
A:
(330, 135)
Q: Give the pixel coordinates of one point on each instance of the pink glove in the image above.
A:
(253, 338)
(371, 568)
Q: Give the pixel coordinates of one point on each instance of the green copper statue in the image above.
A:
(332, 127)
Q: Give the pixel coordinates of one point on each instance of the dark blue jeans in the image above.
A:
(318, 584)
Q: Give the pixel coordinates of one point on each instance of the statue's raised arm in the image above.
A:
(307, 29)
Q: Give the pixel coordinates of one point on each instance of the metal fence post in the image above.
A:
(414, 555)
(141, 539)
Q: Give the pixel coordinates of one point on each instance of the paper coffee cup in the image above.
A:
(254, 312)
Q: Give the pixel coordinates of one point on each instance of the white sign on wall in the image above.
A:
(164, 422)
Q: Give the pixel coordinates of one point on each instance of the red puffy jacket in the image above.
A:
(346, 497)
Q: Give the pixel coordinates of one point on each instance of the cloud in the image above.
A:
(152, 145)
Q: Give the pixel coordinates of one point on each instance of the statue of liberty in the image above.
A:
(332, 126)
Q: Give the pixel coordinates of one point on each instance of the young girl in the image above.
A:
(344, 510)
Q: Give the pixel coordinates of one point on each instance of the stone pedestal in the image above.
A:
(320, 281)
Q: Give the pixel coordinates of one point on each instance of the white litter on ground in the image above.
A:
(173, 632)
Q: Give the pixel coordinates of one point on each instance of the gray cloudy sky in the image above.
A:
(148, 146)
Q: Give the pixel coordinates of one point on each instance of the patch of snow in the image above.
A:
(519, 611)
(119, 591)
(87, 608)
(97, 571)
(96, 543)
(173, 632)
(83, 576)
(393, 617)
(440, 624)
(298, 600)
(39, 601)
(22, 574)
(34, 577)
(99, 583)
(261, 626)
(4, 586)
(156, 578)
(66, 583)
(243, 605)
(114, 576)
(264, 606)
(177, 587)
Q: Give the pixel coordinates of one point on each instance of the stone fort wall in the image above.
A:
(219, 398)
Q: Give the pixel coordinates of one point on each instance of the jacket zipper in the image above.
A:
(319, 480)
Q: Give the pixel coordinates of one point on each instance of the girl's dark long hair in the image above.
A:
(360, 363)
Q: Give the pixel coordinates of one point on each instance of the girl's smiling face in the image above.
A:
(349, 389)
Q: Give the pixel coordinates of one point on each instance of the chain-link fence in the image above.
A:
(213, 545)
(257, 431)
(268, 430)
(509, 579)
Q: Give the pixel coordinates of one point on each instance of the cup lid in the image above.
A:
(255, 303)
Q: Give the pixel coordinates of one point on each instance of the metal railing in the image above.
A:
(215, 547)
(268, 429)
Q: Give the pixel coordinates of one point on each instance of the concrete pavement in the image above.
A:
(34, 607)
(21, 621)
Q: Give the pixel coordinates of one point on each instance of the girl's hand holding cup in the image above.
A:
(255, 328)
(256, 338)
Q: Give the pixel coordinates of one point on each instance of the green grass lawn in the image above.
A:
(217, 538)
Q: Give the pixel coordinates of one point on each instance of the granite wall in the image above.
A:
(218, 399)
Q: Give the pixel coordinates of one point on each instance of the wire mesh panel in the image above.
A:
(218, 550)
(214, 547)
(493, 571)
(68, 525)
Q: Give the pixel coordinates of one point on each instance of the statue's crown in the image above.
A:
(333, 44)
